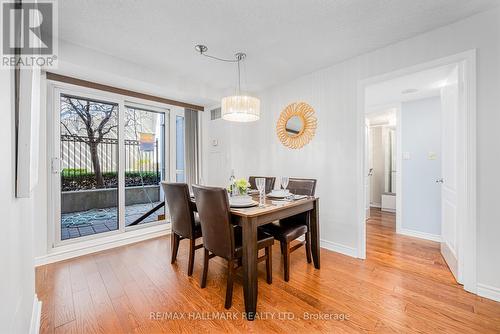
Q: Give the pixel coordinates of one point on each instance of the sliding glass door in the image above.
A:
(144, 166)
(89, 162)
(108, 159)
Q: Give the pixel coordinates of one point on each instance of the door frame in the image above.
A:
(467, 224)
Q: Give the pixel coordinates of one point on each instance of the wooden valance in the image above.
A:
(121, 91)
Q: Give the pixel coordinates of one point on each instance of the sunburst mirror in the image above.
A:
(296, 125)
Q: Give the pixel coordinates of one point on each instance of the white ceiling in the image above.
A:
(426, 83)
(283, 38)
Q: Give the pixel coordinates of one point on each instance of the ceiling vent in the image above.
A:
(215, 114)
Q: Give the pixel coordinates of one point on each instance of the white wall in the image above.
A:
(332, 155)
(421, 196)
(17, 278)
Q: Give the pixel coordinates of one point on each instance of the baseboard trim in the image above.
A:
(488, 291)
(339, 248)
(375, 205)
(388, 210)
(421, 235)
(36, 314)
(74, 250)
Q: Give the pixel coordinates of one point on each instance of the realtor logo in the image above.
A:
(29, 34)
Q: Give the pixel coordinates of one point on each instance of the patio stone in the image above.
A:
(83, 223)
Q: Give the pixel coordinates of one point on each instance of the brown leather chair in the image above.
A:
(185, 224)
(221, 238)
(289, 229)
(269, 182)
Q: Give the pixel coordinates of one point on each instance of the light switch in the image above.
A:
(406, 155)
(432, 156)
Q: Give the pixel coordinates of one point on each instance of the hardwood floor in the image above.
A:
(403, 286)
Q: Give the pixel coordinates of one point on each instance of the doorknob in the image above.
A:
(440, 180)
(370, 172)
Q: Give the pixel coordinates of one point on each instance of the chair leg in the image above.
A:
(174, 241)
(269, 264)
(192, 249)
(308, 247)
(286, 261)
(206, 257)
(229, 288)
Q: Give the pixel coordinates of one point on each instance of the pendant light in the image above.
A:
(239, 107)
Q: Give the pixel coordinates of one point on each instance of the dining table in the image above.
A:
(251, 218)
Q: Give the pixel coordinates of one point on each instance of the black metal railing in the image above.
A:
(76, 160)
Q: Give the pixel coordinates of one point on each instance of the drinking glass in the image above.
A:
(260, 182)
(284, 182)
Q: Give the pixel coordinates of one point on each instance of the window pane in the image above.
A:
(89, 180)
(144, 166)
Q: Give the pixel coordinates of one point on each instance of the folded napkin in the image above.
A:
(296, 197)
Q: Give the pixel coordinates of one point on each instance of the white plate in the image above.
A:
(243, 205)
(277, 194)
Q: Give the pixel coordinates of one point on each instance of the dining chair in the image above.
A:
(221, 238)
(288, 229)
(184, 223)
(269, 182)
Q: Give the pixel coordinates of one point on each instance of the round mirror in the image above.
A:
(294, 126)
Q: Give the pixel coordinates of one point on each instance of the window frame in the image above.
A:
(53, 93)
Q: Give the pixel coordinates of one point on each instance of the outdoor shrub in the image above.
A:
(72, 180)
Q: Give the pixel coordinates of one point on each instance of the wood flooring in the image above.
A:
(404, 286)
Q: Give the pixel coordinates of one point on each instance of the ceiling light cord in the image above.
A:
(202, 50)
(220, 59)
(239, 78)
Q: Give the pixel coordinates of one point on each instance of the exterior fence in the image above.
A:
(76, 158)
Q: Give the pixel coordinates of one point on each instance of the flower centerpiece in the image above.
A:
(239, 187)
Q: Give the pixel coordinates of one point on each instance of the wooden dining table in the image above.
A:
(251, 218)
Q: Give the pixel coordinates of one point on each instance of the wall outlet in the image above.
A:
(406, 156)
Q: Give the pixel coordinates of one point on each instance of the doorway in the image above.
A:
(435, 148)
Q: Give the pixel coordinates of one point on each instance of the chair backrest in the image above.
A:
(269, 182)
(302, 186)
(180, 208)
(215, 218)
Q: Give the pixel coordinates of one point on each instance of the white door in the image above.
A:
(449, 188)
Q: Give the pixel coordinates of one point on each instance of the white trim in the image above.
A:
(467, 230)
(339, 248)
(36, 315)
(375, 205)
(421, 235)
(95, 245)
(399, 171)
(488, 291)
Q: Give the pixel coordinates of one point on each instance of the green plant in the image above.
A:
(74, 171)
(241, 186)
